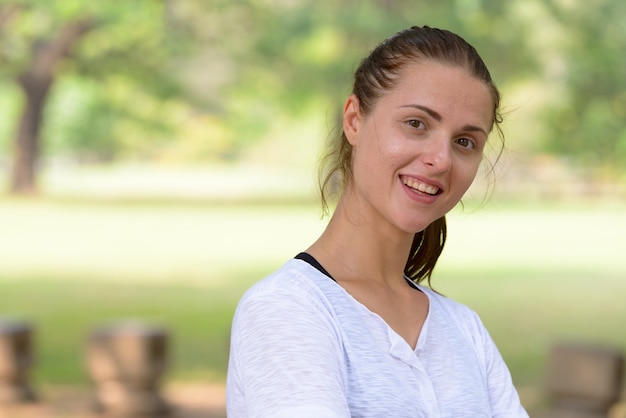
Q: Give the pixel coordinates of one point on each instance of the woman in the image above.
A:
(345, 329)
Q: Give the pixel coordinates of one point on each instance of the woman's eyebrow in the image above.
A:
(472, 128)
(426, 109)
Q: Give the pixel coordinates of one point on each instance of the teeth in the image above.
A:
(419, 186)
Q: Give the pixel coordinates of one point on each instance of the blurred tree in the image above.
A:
(43, 40)
(588, 121)
(286, 56)
(35, 76)
(253, 62)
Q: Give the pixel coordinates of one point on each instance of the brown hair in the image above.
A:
(376, 75)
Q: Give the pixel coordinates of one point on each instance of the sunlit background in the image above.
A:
(158, 157)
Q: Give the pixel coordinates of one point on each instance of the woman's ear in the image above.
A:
(351, 118)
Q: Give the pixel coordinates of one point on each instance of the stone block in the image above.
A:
(16, 360)
(126, 362)
(584, 378)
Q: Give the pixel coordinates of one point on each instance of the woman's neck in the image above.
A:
(355, 249)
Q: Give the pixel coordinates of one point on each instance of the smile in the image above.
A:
(420, 186)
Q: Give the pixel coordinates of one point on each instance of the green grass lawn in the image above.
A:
(536, 275)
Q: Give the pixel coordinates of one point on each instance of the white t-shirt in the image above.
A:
(301, 346)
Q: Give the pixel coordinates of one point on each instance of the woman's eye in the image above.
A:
(415, 123)
(466, 143)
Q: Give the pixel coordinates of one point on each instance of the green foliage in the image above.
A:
(115, 86)
(97, 124)
(234, 70)
(589, 122)
(296, 58)
(9, 101)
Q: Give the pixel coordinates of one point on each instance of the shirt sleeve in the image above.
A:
(503, 396)
(286, 358)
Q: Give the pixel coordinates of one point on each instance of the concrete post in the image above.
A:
(584, 380)
(126, 362)
(16, 359)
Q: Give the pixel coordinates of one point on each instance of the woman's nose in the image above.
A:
(437, 154)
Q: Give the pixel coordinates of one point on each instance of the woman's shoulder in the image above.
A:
(294, 279)
(292, 296)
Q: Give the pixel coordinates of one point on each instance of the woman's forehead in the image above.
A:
(443, 88)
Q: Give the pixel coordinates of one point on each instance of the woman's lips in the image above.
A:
(420, 186)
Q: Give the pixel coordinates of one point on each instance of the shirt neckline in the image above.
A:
(394, 337)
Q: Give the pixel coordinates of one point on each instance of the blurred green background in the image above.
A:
(158, 157)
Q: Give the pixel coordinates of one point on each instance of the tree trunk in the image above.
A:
(36, 82)
(27, 144)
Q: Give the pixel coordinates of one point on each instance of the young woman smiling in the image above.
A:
(346, 329)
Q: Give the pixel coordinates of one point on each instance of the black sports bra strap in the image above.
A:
(312, 261)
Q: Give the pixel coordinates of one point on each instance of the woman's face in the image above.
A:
(417, 151)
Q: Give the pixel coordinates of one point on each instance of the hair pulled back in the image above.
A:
(376, 75)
